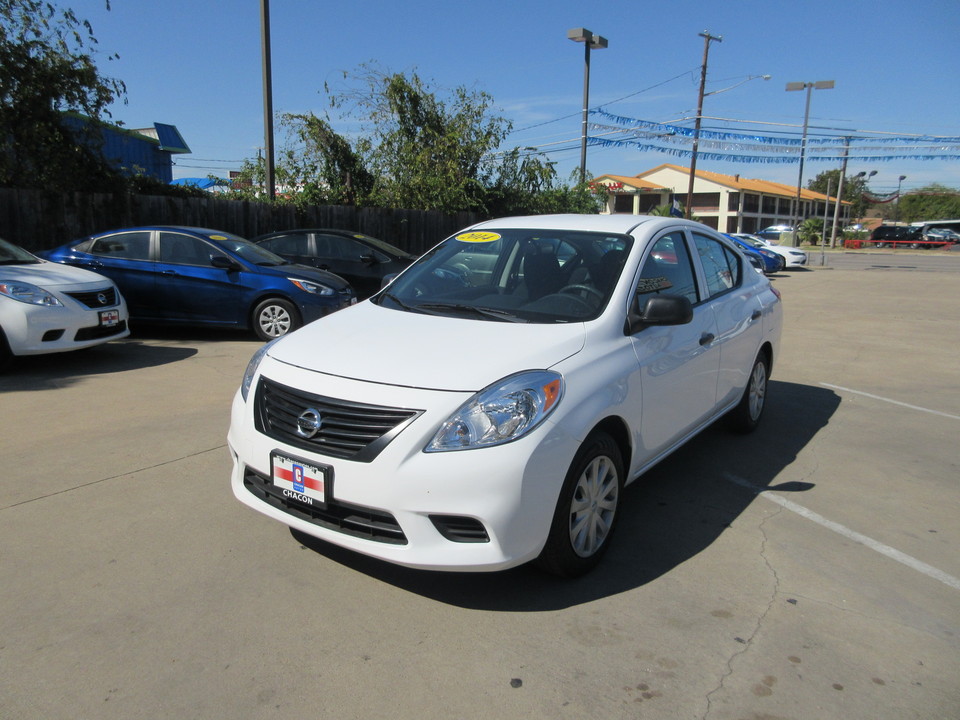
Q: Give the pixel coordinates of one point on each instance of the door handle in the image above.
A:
(707, 338)
(756, 315)
(169, 272)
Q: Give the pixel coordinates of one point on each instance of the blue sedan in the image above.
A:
(772, 262)
(196, 276)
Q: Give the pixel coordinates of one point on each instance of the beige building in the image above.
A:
(729, 203)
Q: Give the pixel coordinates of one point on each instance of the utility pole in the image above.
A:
(707, 37)
(267, 97)
(836, 207)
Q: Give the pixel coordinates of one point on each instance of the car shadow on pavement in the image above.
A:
(41, 372)
(671, 514)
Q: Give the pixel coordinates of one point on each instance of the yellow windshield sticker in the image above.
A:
(478, 237)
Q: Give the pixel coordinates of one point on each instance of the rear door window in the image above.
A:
(125, 246)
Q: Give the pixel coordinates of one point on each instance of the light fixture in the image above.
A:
(808, 86)
(590, 42)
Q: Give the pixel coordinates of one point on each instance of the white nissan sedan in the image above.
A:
(46, 307)
(488, 407)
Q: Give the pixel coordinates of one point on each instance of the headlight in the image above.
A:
(501, 413)
(251, 370)
(30, 294)
(312, 287)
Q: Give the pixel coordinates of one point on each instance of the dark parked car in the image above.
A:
(361, 260)
(196, 276)
(885, 234)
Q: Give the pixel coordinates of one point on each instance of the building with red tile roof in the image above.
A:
(729, 203)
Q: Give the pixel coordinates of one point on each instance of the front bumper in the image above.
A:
(38, 330)
(473, 510)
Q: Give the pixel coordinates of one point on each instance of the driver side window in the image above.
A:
(720, 264)
(667, 269)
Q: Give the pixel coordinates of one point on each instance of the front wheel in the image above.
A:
(275, 317)
(586, 511)
(746, 415)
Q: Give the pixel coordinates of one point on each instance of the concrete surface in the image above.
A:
(807, 571)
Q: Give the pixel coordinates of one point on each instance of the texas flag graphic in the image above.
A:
(298, 478)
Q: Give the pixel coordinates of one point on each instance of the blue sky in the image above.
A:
(196, 64)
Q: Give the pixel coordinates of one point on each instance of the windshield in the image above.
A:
(252, 253)
(537, 276)
(384, 246)
(12, 255)
(752, 241)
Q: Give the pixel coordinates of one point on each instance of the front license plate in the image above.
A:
(109, 318)
(299, 480)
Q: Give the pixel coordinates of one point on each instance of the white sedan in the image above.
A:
(488, 407)
(793, 257)
(47, 307)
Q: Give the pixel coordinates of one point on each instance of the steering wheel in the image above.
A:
(583, 292)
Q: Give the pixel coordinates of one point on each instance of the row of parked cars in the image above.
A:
(272, 284)
(913, 236)
(485, 409)
(183, 275)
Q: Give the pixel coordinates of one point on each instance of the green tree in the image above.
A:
(425, 151)
(316, 166)
(810, 230)
(933, 202)
(47, 72)
(415, 149)
(853, 190)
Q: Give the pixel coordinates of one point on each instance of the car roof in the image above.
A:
(186, 228)
(620, 223)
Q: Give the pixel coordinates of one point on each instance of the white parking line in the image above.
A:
(894, 402)
(846, 532)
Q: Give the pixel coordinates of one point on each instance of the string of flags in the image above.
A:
(676, 140)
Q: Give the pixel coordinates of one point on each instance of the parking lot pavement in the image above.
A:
(805, 571)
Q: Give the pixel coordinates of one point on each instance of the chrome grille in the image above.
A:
(354, 431)
(92, 299)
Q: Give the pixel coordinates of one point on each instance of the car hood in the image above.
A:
(304, 273)
(375, 344)
(51, 274)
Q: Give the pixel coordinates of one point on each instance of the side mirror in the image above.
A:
(387, 279)
(368, 259)
(658, 310)
(225, 263)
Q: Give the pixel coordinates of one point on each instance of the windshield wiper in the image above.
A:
(487, 312)
(398, 301)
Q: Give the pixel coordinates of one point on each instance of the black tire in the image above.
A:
(6, 356)
(587, 509)
(880, 245)
(745, 417)
(273, 318)
(914, 246)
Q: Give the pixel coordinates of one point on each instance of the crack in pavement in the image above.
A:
(112, 477)
(747, 642)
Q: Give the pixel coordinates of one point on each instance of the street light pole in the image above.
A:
(818, 85)
(896, 217)
(707, 37)
(863, 173)
(589, 41)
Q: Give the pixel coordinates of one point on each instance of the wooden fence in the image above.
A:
(38, 220)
